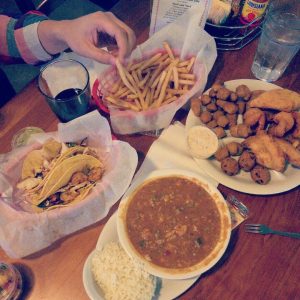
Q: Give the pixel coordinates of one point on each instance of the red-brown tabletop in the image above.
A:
(253, 267)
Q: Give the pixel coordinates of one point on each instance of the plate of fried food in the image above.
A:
(258, 127)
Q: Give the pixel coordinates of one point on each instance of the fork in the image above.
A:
(263, 229)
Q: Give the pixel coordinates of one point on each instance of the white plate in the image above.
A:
(169, 290)
(280, 182)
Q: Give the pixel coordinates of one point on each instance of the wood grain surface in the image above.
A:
(253, 267)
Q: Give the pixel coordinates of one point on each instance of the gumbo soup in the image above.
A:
(173, 222)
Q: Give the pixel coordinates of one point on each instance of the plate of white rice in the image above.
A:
(109, 273)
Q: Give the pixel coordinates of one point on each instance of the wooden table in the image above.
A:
(253, 267)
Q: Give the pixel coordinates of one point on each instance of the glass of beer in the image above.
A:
(65, 84)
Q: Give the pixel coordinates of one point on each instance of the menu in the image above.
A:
(167, 11)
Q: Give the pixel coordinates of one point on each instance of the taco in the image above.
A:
(37, 160)
(65, 198)
(60, 176)
(40, 178)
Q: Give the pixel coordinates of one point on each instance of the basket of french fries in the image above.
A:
(152, 82)
(160, 77)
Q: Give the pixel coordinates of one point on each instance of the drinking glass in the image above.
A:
(279, 41)
(65, 84)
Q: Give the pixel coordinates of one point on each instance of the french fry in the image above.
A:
(121, 91)
(187, 82)
(142, 102)
(150, 61)
(190, 65)
(137, 103)
(187, 76)
(145, 91)
(136, 77)
(151, 92)
(121, 103)
(126, 93)
(132, 96)
(184, 63)
(135, 66)
(175, 78)
(182, 70)
(176, 92)
(130, 79)
(165, 84)
(159, 85)
(115, 86)
(156, 73)
(168, 49)
(163, 59)
(123, 76)
(148, 98)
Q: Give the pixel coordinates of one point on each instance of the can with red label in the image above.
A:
(253, 10)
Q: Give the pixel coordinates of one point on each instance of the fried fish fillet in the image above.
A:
(267, 152)
(279, 99)
(292, 154)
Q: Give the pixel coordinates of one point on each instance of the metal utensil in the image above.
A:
(263, 229)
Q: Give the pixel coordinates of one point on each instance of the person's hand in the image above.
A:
(81, 36)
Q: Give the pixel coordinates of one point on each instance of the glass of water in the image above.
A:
(279, 41)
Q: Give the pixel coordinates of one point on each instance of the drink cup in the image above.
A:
(65, 84)
(279, 41)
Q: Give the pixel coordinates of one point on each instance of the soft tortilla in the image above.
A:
(82, 194)
(33, 162)
(62, 173)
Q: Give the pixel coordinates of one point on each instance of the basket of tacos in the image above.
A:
(59, 174)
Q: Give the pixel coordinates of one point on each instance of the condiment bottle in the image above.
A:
(253, 9)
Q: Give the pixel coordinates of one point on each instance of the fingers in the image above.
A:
(131, 38)
(123, 35)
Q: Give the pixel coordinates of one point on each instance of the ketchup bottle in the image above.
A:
(253, 9)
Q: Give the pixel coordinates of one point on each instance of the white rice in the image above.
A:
(119, 276)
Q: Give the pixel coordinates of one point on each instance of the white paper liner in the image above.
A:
(23, 232)
(187, 39)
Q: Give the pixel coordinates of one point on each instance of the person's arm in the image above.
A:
(35, 39)
(19, 40)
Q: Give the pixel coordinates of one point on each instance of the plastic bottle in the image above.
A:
(253, 9)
